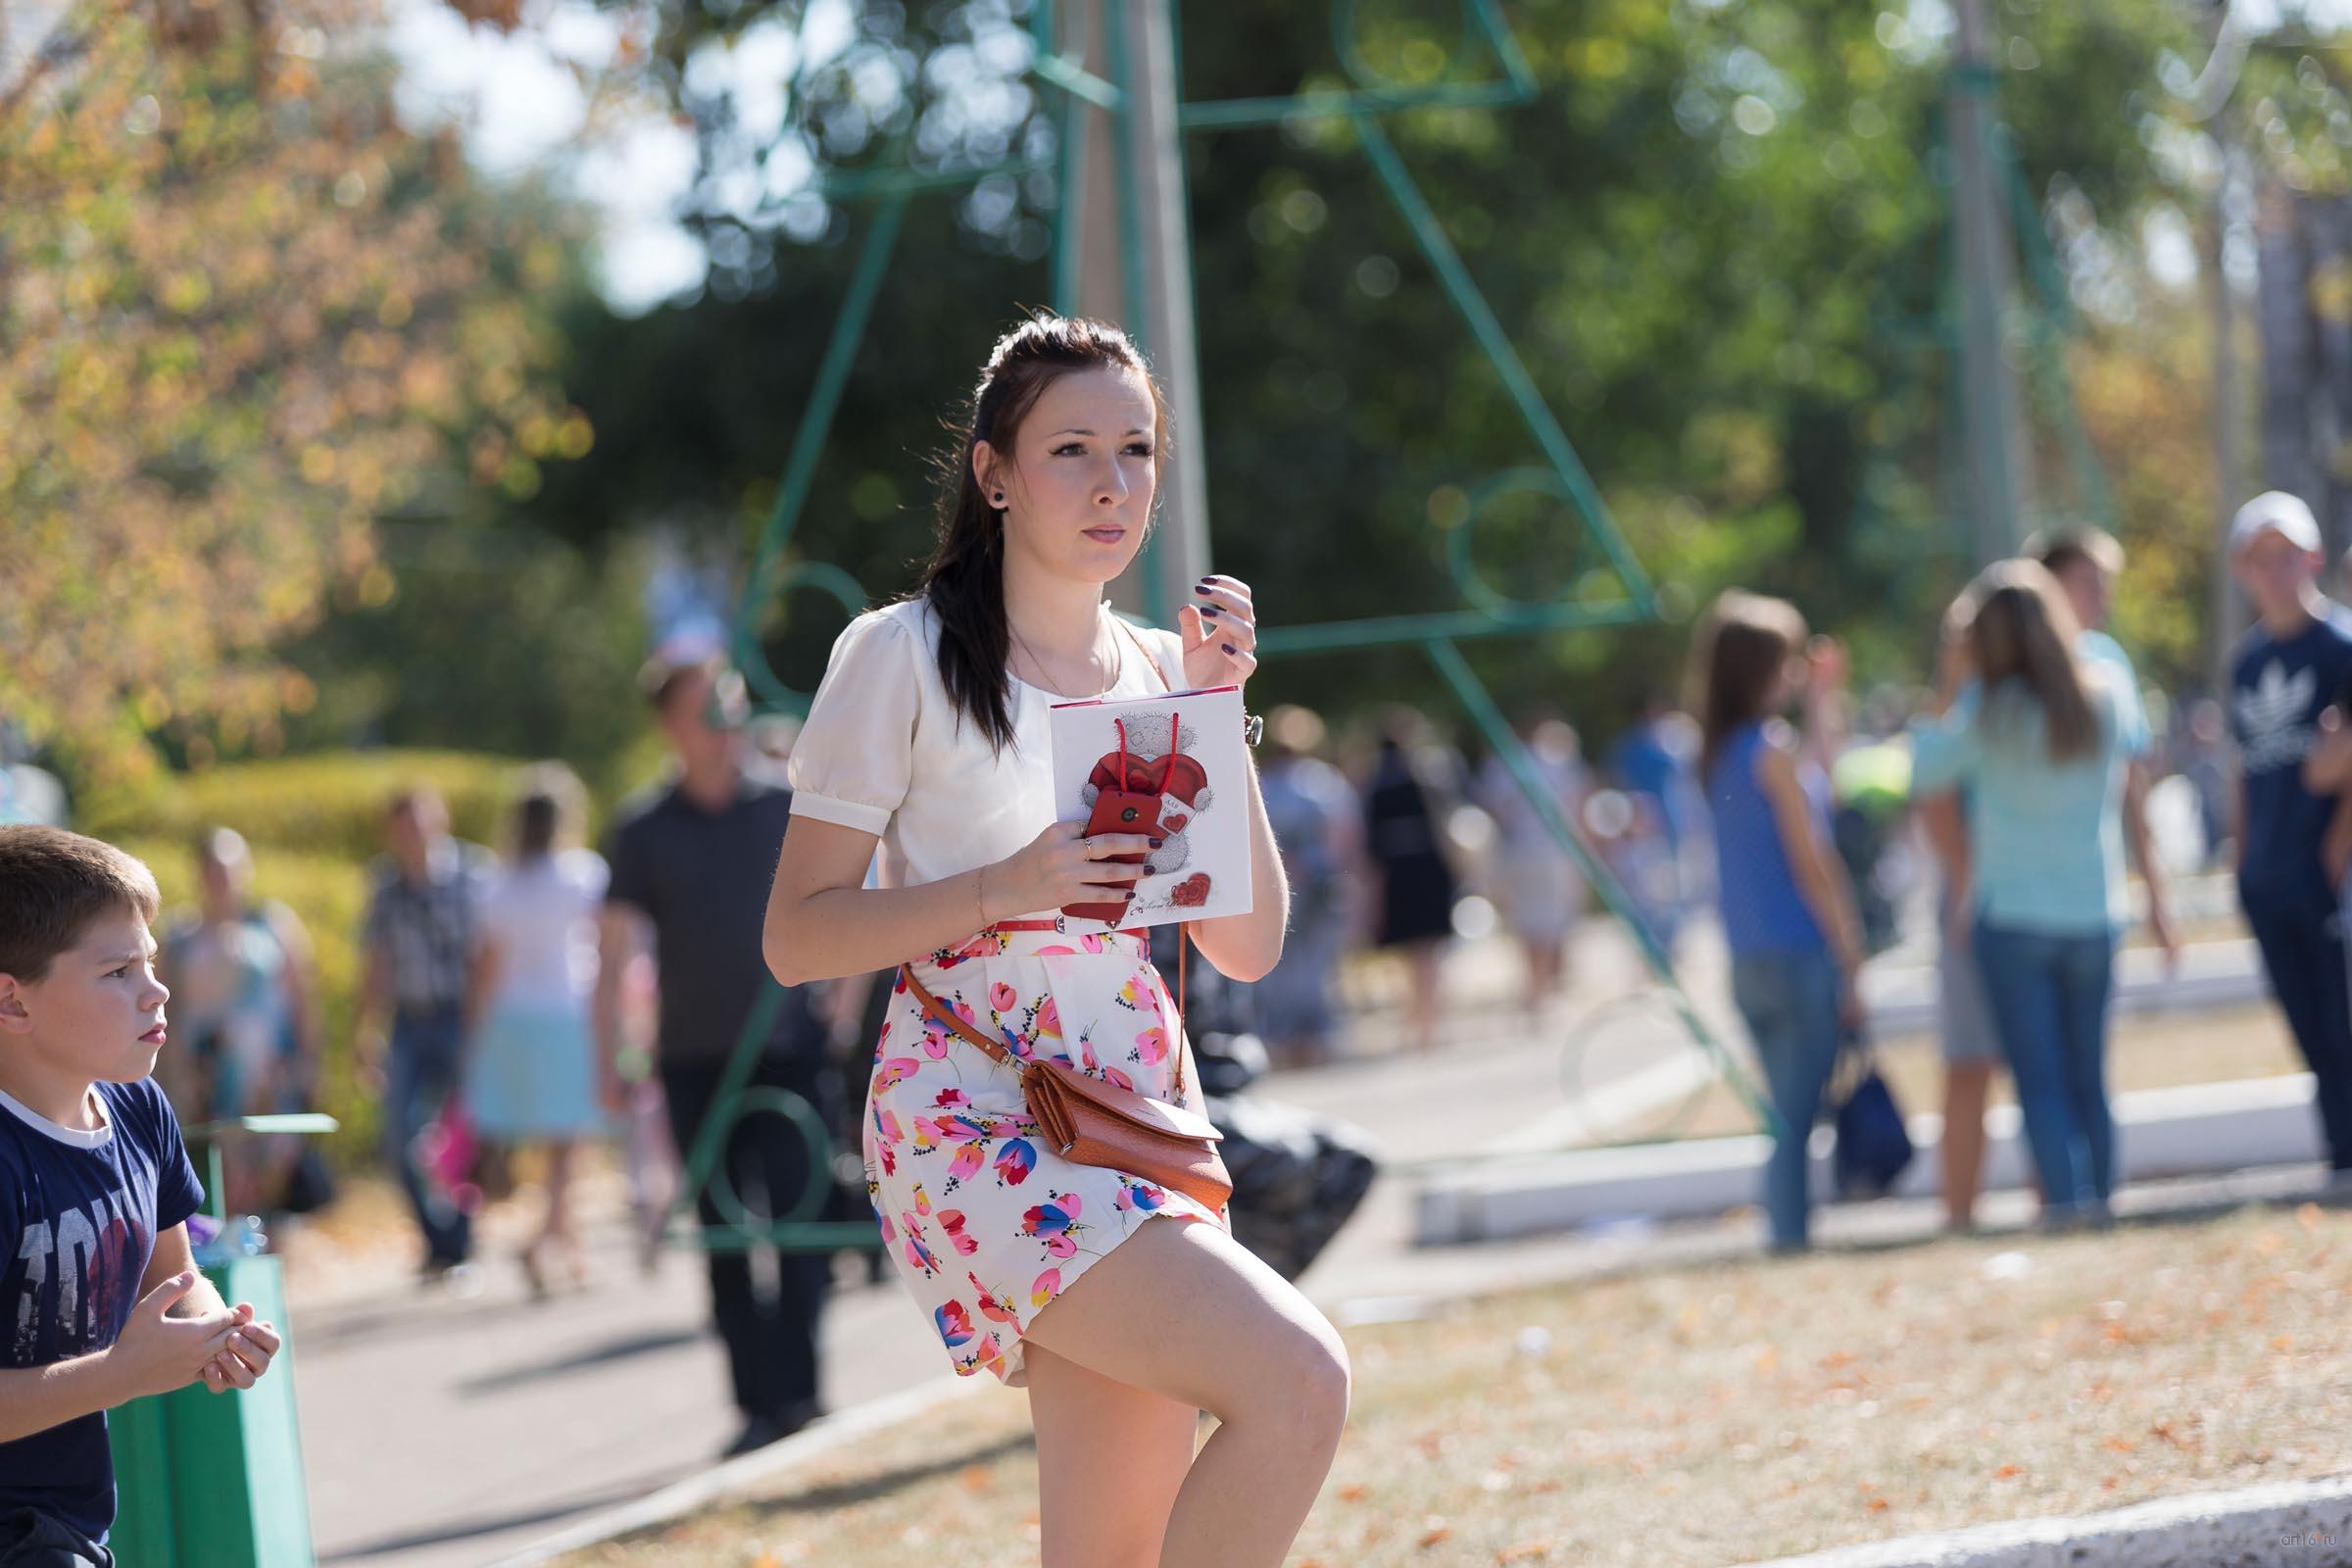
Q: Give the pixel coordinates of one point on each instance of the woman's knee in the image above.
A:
(1304, 1381)
(1325, 1367)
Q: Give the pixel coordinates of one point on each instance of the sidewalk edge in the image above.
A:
(2289, 1522)
(696, 1492)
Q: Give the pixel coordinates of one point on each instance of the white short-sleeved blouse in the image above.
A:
(884, 751)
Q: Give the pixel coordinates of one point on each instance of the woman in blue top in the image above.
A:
(1788, 907)
(2036, 734)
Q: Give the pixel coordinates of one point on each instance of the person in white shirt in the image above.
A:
(531, 1058)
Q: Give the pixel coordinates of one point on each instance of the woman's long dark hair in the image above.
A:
(1737, 658)
(2022, 632)
(548, 804)
(964, 580)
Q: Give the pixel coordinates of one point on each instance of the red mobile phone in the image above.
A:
(1117, 812)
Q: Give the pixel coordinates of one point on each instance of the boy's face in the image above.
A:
(2275, 572)
(99, 1012)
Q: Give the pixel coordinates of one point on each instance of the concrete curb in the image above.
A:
(720, 1481)
(2283, 1525)
(2221, 973)
(2204, 1129)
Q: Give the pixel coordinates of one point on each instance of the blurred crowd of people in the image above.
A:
(2038, 781)
(498, 985)
(508, 1010)
(511, 1002)
(1418, 850)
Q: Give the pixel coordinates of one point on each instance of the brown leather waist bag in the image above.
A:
(1090, 1122)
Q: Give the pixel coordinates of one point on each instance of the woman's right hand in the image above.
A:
(1062, 866)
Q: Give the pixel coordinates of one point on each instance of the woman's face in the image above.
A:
(1079, 482)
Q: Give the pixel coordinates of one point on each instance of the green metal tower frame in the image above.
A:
(1486, 611)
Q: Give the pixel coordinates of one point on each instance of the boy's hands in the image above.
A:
(159, 1352)
(250, 1349)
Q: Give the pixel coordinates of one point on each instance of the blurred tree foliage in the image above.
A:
(495, 639)
(268, 362)
(243, 315)
(1719, 239)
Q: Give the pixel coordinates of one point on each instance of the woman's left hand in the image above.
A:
(1219, 628)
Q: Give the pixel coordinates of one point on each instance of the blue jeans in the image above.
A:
(420, 1076)
(1790, 1001)
(2049, 1001)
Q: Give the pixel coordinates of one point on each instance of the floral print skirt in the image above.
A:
(985, 1223)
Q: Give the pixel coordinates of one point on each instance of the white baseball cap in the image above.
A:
(2275, 511)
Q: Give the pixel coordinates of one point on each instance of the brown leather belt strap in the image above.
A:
(945, 1016)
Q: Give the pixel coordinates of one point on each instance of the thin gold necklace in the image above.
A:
(1118, 660)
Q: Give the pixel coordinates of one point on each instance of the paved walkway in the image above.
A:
(444, 1429)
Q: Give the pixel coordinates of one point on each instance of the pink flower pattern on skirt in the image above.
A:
(986, 1223)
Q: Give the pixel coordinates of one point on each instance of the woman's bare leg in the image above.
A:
(1183, 1311)
(558, 1174)
(1543, 969)
(1111, 1458)
(1424, 967)
(1966, 1085)
(562, 1159)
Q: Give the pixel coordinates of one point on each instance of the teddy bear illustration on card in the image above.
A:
(1155, 759)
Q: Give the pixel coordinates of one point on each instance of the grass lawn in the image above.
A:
(1715, 1415)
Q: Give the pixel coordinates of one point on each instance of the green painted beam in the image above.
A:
(1391, 631)
(1476, 700)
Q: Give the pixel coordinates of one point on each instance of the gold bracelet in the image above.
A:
(980, 893)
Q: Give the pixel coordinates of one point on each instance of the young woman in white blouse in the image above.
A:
(929, 737)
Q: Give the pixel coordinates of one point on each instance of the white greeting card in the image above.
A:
(1174, 763)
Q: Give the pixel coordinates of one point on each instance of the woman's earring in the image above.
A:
(996, 499)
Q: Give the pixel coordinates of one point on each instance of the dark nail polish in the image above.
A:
(1150, 868)
(1156, 843)
(1202, 586)
(1207, 612)
(1228, 648)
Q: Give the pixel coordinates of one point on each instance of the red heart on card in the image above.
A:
(1173, 824)
(1190, 893)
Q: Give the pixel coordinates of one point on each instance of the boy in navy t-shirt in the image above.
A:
(2288, 671)
(100, 1301)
